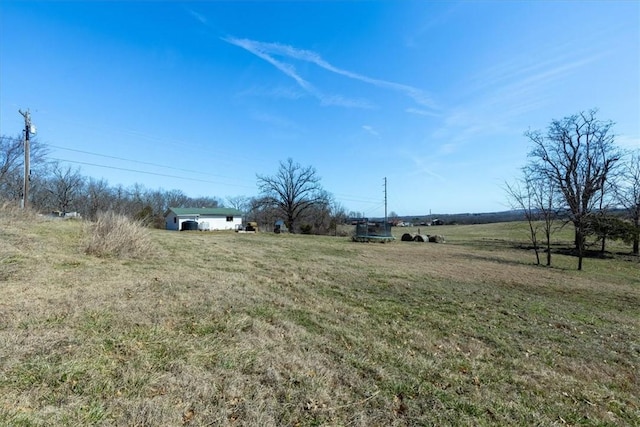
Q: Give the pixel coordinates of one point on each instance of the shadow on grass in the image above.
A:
(512, 262)
(558, 248)
(598, 254)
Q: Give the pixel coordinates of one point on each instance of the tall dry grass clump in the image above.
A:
(115, 235)
(10, 211)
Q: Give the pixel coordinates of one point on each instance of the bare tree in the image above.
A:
(292, 191)
(536, 198)
(577, 154)
(521, 197)
(545, 196)
(11, 155)
(318, 219)
(98, 198)
(601, 222)
(65, 186)
(177, 199)
(240, 203)
(628, 194)
(12, 164)
(155, 207)
(263, 212)
(41, 199)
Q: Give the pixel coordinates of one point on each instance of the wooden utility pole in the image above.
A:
(27, 169)
(386, 221)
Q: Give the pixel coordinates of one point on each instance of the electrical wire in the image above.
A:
(135, 161)
(338, 197)
(147, 172)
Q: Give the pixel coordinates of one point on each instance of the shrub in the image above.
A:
(116, 235)
(12, 212)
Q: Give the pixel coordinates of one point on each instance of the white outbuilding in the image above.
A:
(203, 219)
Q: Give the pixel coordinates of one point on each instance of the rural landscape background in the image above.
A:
(457, 185)
(224, 328)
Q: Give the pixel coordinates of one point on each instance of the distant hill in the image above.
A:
(462, 218)
(475, 218)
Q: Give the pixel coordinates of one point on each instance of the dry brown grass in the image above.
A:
(239, 329)
(116, 235)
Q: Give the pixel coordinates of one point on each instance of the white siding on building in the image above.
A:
(205, 222)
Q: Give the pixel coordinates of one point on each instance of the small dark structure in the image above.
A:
(406, 237)
(279, 227)
(189, 226)
(373, 231)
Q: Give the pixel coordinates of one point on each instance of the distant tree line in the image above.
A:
(577, 175)
(294, 194)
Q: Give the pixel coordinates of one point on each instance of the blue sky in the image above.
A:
(202, 96)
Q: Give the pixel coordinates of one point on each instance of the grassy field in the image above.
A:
(217, 328)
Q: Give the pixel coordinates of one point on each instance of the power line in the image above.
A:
(129, 160)
(146, 172)
(344, 197)
(123, 159)
(134, 161)
(379, 205)
(338, 196)
(353, 199)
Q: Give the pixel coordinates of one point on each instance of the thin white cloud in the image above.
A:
(549, 61)
(257, 49)
(422, 112)
(508, 91)
(342, 101)
(422, 169)
(521, 84)
(287, 69)
(370, 130)
(267, 51)
(199, 17)
(278, 92)
(433, 20)
(532, 81)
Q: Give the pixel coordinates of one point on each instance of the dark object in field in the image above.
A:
(436, 238)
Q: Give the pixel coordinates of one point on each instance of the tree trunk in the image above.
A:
(289, 224)
(636, 236)
(548, 249)
(580, 244)
(534, 240)
(548, 257)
